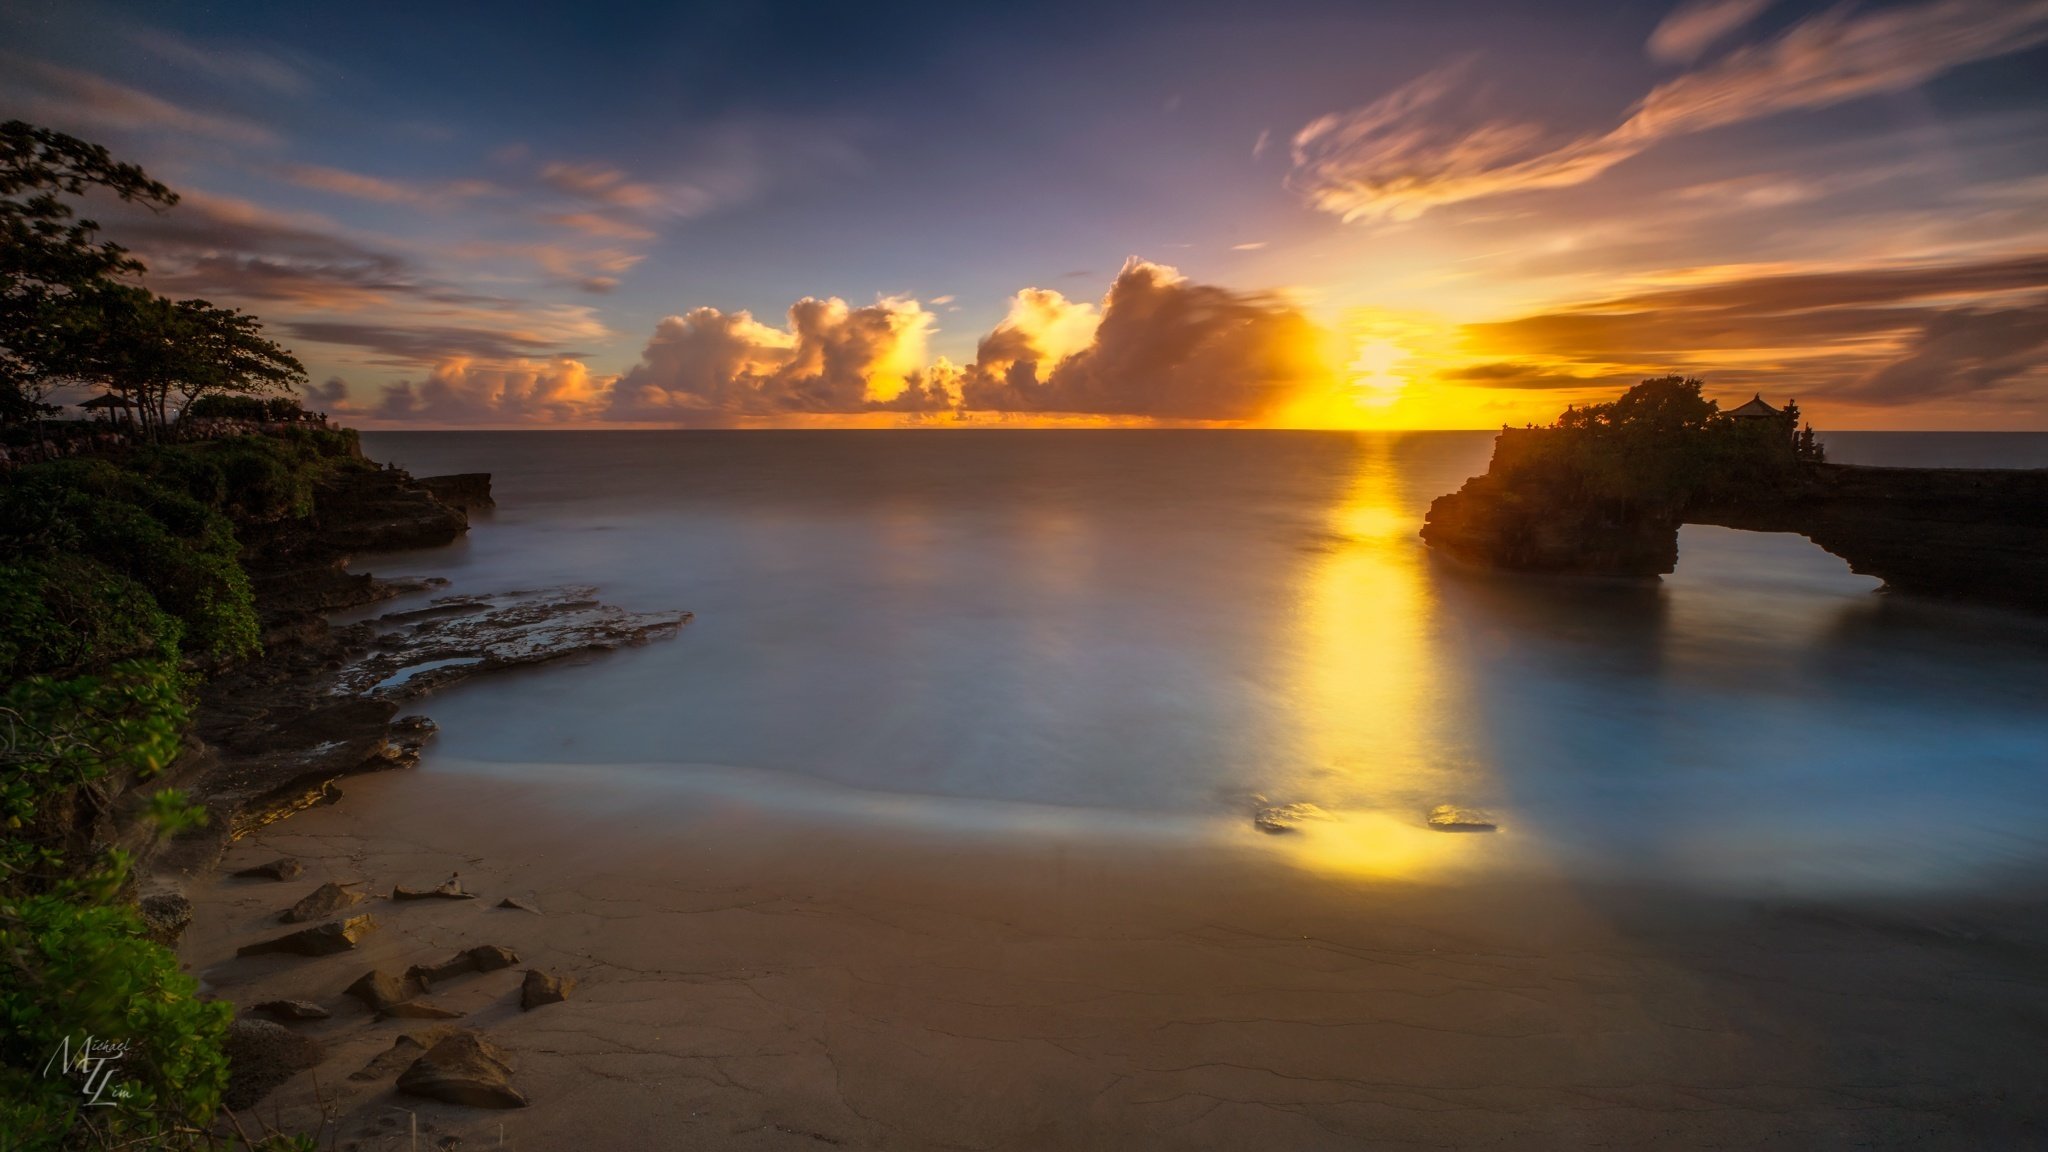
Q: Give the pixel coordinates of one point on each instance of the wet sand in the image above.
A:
(764, 976)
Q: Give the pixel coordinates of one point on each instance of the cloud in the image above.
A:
(596, 225)
(1411, 151)
(1162, 347)
(1880, 336)
(463, 391)
(714, 367)
(67, 98)
(1249, 246)
(1697, 25)
(315, 281)
(230, 63)
(363, 187)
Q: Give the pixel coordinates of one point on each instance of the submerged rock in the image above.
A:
(285, 868)
(1286, 817)
(380, 989)
(544, 988)
(291, 1010)
(463, 1068)
(521, 905)
(261, 1055)
(455, 637)
(325, 900)
(482, 958)
(1451, 818)
(326, 940)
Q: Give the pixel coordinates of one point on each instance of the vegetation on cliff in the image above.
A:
(121, 587)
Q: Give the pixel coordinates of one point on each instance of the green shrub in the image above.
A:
(67, 613)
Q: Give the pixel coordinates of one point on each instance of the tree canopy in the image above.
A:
(68, 313)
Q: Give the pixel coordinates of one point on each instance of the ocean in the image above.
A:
(1144, 634)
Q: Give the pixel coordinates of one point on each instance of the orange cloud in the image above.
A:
(463, 391)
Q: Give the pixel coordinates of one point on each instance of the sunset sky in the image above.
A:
(1292, 214)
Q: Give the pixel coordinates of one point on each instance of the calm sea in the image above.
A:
(1135, 633)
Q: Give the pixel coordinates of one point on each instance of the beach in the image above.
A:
(749, 978)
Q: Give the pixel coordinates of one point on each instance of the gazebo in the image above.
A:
(1756, 409)
(110, 403)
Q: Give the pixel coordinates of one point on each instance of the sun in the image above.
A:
(1374, 380)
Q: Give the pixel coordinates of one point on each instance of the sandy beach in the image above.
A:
(764, 976)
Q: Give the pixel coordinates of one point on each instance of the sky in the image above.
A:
(1287, 214)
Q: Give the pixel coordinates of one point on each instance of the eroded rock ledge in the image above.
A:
(324, 702)
(1979, 535)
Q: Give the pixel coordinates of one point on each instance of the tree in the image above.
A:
(50, 261)
(227, 353)
(1663, 404)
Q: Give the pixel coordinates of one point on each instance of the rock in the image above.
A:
(291, 1010)
(1451, 818)
(323, 901)
(261, 1055)
(482, 958)
(417, 1010)
(164, 916)
(1286, 817)
(463, 1068)
(398, 1057)
(326, 940)
(285, 868)
(382, 991)
(521, 905)
(455, 637)
(449, 889)
(415, 725)
(544, 988)
(468, 491)
(491, 957)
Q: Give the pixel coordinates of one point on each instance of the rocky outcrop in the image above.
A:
(542, 987)
(468, 491)
(1967, 534)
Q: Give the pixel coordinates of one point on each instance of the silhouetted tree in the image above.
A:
(1664, 404)
(50, 261)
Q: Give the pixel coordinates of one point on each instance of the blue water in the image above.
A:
(1155, 626)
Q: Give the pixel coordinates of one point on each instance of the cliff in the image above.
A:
(1979, 535)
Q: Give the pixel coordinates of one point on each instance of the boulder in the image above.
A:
(417, 1010)
(1286, 817)
(544, 988)
(1451, 818)
(261, 1055)
(382, 991)
(326, 940)
(164, 916)
(283, 868)
(291, 1010)
(323, 901)
(463, 1068)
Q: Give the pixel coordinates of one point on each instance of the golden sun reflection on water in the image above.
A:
(1377, 708)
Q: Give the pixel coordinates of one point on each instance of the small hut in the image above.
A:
(1756, 409)
(105, 406)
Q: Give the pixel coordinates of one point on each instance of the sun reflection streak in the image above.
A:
(1376, 703)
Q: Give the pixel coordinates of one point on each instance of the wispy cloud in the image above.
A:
(360, 186)
(1693, 27)
(1409, 151)
(81, 101)
(1878, 336)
